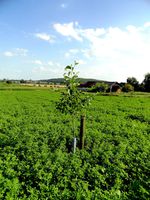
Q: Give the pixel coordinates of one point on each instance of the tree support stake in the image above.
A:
(82, 131)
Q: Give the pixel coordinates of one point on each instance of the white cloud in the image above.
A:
(67, 55)
(50, 63)
(38, 62)
(63, 5)
(21, 52)
(45, 37)
(41, 69)
(81, 62)
(113, 53)
(74, 51)
(43, 63)
(16, 52)
(8, 54)
(69, 30)
(147, 24)
(71, 53)
(48, 69)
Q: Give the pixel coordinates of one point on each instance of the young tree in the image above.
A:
(72, 101)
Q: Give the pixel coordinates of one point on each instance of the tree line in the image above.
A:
(134, 85)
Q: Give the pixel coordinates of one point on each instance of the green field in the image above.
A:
(35, 141)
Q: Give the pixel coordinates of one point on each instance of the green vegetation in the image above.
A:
(73, 102)
(99, 87)
(128, 88)
(35, 140)
(134, 83)
(17, 86)
(144, 86)
(146, 82)
(4, 85)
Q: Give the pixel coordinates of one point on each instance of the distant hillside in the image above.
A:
(61, 80)
(56, 81)
(53, 80)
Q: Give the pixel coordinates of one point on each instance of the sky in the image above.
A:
(109, 38)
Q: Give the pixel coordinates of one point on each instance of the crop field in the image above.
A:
(36, 160)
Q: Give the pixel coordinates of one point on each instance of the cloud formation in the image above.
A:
(45, 37)
(113, 51)
(37, 62)
(48, 68)
(69, 30)
(16, 52)
(71, 53)
(8, 54)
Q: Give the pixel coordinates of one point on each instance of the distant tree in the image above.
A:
(100, 87)
(9, 82)
(146, 82)
(141, 87)
(4, 80)
(128, 88)
(133, 81)
(22, 81)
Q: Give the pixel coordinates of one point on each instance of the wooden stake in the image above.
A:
(82, 131)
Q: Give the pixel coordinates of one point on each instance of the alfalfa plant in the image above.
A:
(74, 102)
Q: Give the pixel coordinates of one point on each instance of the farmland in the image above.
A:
(35, 141)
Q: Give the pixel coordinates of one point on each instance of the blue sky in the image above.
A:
(110, 39)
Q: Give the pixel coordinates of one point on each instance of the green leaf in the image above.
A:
(76, 63)
(67, 67)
